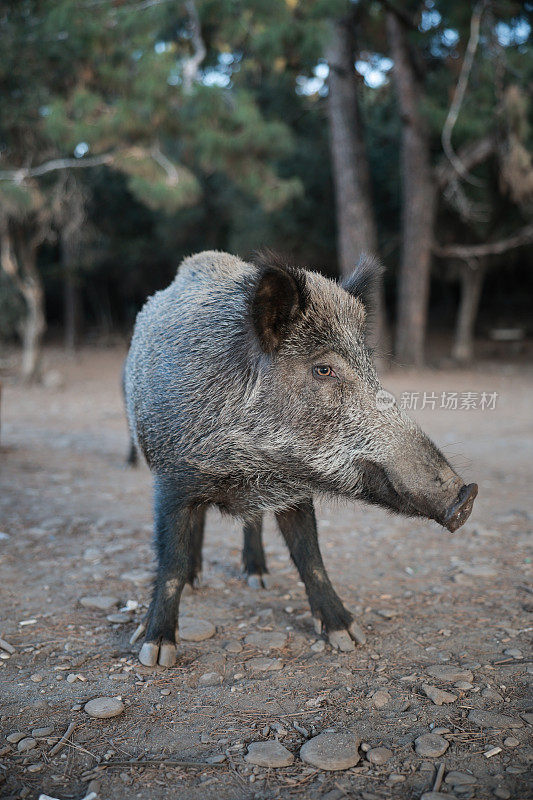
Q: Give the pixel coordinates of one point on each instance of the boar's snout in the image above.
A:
(459, 511)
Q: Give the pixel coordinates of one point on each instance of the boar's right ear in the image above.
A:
(364, 281)
(279, 296)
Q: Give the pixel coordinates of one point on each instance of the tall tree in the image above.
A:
(418, 199)
(356, 224)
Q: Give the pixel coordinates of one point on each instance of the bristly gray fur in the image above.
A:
(256, 429)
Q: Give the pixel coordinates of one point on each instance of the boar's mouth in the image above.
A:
(379, 489)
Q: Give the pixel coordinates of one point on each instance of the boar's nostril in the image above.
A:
(459, 512)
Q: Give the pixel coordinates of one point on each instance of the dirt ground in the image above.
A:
(75, 522)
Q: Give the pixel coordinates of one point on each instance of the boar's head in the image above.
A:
(324, 418)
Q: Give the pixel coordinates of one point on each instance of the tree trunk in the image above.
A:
(33, 325)
(356, 225)
(472, 275)
(70, 255)
(418, 203)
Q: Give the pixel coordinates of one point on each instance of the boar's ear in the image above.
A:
(279, 296)
(364, 281)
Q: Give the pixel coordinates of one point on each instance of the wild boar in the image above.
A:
(249, 386)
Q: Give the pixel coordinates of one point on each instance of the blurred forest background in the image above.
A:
(134, 132)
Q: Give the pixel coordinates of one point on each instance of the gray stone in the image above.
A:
(464, 686)
(491, 694)
(118, 618)
(28, 743)
(527, 718)
(104, 707)
(438, 696)
(138, 576)
(514, 652)
(437, 796)
(15, 737)
(264, 664)
(319, 646)
(266, 641)
(395, 777)
(233, 647)
(101, 602)
(379, 755)
(332, 751)
(493, 719)
(210, 679)
(40, 732)
(502, 793)
(450, 673)
(431, 745)
(478, 570)
(381, 698)
(192, 629)
(268, 754)
(511, 741)
(455, 778)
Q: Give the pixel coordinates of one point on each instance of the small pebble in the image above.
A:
(35, 767)
(464, 686)
(394, 777)
(192, 629)
(493, 719)
(449, 673)
(318, 646)
(492, 752)
(491, 694)
(25, 744)
(104, 707)
(264, 664)
(514, 652)
(379, 755)
(527, 718)
(268, 754)
(455, 778)
(331, 751)
(218, 759)
(438, 696)
(502, 793)
(381, 698)
(266, 641)
(39, 732)
(165, 692)
(436, 796)
(100, 602)
(431, 745)
(233, 647)
(36, 678)
(15, 737)
(210, 679)
(118, 618)
(511, 741)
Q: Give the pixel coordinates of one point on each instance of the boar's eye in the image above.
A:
(323, 372)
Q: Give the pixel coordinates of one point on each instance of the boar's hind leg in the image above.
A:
(298, 526)
(253, 555)
(198, 524)
(174, 522)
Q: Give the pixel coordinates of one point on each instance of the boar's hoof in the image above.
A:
(345, 639)
(258, 581)
(163, 654)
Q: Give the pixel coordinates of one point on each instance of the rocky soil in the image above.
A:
(437, 703)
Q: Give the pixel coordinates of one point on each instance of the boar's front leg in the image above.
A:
(176, 525)
(253, 555)
(298, 526)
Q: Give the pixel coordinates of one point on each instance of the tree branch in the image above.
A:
(191, 65)
(470, 156)
(466, 252)
(18, 175)
(459, 93)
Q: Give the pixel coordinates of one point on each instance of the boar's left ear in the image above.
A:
(280, 296)
(364, 281)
